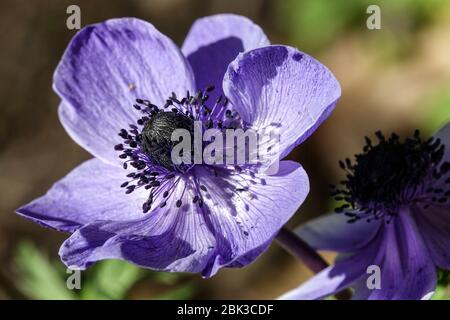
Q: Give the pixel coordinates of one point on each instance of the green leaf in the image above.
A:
(181, 293)
(111, 279)
(168, 278)
(39, 279)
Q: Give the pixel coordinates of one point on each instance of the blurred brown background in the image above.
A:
(396, 78)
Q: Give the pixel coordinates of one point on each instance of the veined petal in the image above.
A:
(336, 277)
(278, 88)
(251, 256)
(389, 262)
(407, 272)
(167, 239)
(444, 135)
(90, 192)
(214, 42)
(246, 212)
(226, 231)
(104, 69)
(333, 232)
(434, 226)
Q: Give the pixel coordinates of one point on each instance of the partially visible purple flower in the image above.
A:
(397, 217)
(160, 215)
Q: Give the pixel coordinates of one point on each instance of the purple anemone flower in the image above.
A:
(397, 218)
(124, 86)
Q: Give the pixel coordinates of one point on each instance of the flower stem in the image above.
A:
(301, 250)
(289, 241)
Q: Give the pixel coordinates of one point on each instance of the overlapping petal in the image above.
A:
(90, 192)
(444, 135)
(169, 239)
(434, 225)
(419, 272)
(336, 277)
(278, 88)
(213, 42)
(247, 215)
(406, 270)
(333, 232)
(104, 69)
(226, 230)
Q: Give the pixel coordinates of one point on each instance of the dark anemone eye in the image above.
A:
(156, 136)
(147, 145)
(388, 175)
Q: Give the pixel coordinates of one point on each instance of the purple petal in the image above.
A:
(434, 226)
(444, 135)
(389, 261)
(214, 41)
(247, 220)
(168, 239)
(203, 240)
(104, 69)
(407, 271)
(336, 277)
(152, 242)
(333, 232)
(251, 256)
(281, 88)
(90, 192)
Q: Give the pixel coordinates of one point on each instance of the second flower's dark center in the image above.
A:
(390, 174)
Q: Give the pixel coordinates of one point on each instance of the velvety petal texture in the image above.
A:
(244, 221)
(417, 271)
(336, 277)
(407, 272)
(408, 247)
(90, 192)
(214, 42)
(434, 224)
(104, 69)
(281, 89)
(435, 220)
(193, 219)
(333, 232)
(167, 239)
(230, 229)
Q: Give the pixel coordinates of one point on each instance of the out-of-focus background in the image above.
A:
(394, 79)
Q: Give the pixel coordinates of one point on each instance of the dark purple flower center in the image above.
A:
(155, 139)
(147, 145)
(391, 174)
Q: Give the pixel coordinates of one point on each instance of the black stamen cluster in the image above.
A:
(389, 174)
(147, 146)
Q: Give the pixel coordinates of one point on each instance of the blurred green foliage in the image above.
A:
(437, 109)
(40, 278)
(312, 25)
(443, 289)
